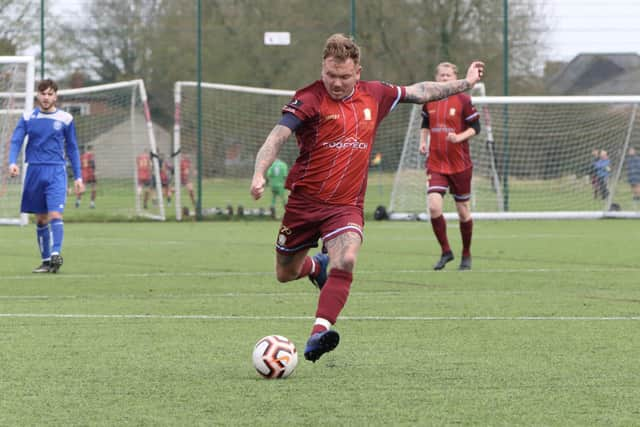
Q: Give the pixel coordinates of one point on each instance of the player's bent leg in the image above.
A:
(344, 250)
(291, 267)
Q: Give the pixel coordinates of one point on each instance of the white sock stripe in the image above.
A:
(313, 266)
(322, 322)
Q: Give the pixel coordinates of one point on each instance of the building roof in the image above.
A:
(588, 71)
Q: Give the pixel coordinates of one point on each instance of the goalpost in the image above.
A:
(533, 159)
(235, 122)
(17, 76)
(113, 121)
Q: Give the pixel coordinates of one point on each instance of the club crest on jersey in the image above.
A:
(452, 111)
(367, 114)
(282, 239)
(57, 125)
(295, 103)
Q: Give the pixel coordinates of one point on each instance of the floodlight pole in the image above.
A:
(42, 39)
(353, 19)
(199, 108)
(505, 111)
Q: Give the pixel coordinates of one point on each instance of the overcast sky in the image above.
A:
(580, 26)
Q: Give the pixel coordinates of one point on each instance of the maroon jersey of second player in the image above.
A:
(143, 162)
(87, 162)
(453, 114)
(335, 140)
(185, 169)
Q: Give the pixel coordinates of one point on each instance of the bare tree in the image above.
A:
(114, 41)
(18, 25)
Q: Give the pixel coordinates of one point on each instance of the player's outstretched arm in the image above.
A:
(266, 156)
(420, 93)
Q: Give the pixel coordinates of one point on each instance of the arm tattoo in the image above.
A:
(271, 147)
(422, 92)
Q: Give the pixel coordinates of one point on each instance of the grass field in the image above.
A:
(154, 324)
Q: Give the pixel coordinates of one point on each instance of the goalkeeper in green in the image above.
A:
(276, 176)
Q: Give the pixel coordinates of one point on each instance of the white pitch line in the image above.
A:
(364, 272)
(345, 318)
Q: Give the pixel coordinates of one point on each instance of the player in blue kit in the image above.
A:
(50, 133)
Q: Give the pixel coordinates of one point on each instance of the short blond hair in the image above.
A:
(341, 47)
(447, 65)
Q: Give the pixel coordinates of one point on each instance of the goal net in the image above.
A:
(534, 159)
(234, 124)
(114, 124)
(16, 98)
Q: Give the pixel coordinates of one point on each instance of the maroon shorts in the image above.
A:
(458, 184)
(306, 221)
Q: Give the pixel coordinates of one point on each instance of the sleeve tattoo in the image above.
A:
(420, 93)
(271, 147)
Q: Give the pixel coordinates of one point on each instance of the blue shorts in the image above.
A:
(45, 189)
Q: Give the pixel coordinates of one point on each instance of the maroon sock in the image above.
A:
(334, 295)
(439, 226)
(306, 267)
(466, 231)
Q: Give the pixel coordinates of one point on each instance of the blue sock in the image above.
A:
(44, 241)
(57, 234)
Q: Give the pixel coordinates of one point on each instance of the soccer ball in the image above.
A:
(275, 356)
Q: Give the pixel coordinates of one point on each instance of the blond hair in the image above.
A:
(341, 47)
(447, 65)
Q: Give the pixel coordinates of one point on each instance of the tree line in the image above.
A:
(402, 41)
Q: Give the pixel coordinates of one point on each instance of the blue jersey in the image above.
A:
(50, 135)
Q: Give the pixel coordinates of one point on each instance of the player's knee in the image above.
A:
(346, 262)
(435, 211)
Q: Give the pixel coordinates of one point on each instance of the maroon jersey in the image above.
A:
(335, 140)
(185, 169)
(143, 163)
(453, 114)
(87, 162)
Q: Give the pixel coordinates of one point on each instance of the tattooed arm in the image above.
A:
(266, 156)
(422, 92)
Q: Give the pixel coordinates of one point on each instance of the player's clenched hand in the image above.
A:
(14, 170)
(78, 186)
(423, 148)
(257, 186)
(475, 72)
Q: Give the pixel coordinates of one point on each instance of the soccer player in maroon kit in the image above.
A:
(144, 169)
(335, 120)
(88, 165)
(185, 176)
(450, 123)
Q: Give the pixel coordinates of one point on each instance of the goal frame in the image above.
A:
(135, 85)
(177, 150)
(482, 102)
(28, 95)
